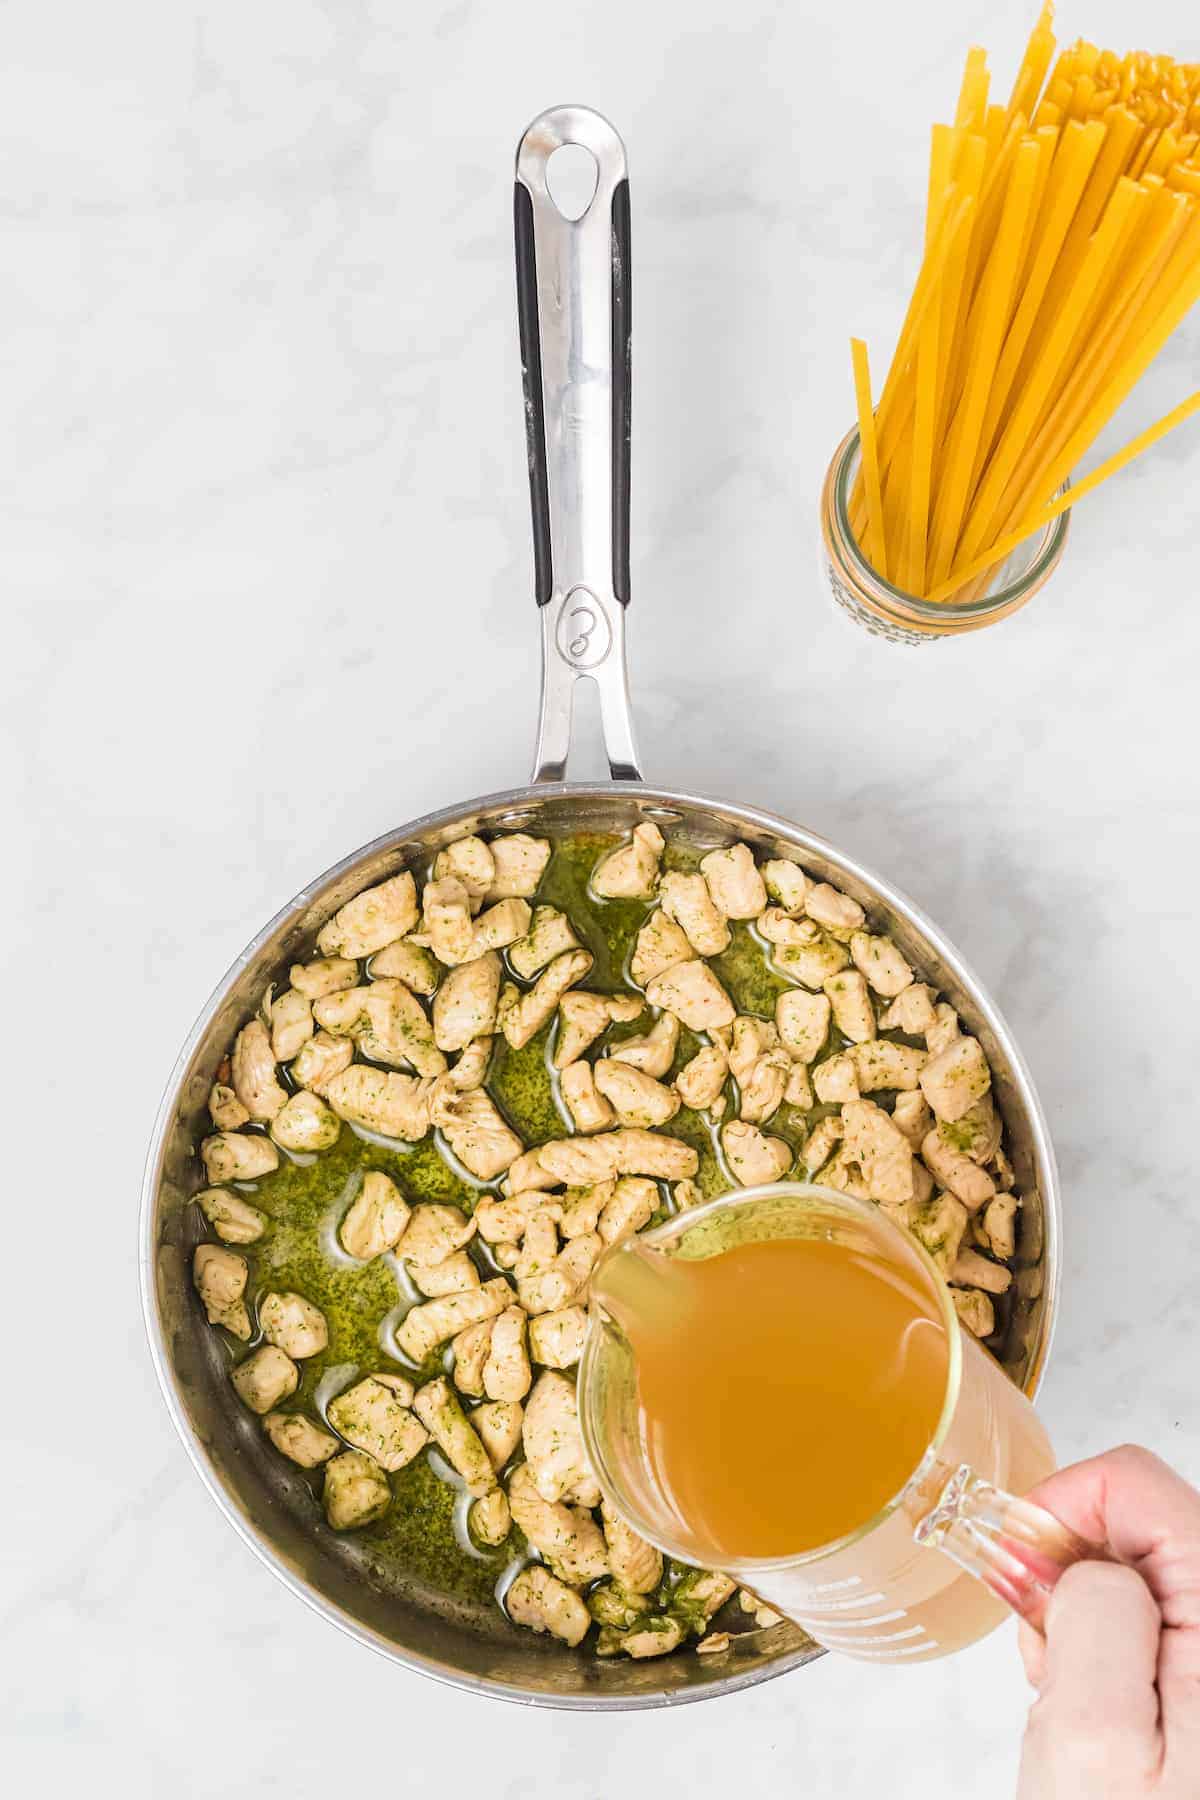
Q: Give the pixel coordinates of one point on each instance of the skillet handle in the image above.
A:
(573, 308)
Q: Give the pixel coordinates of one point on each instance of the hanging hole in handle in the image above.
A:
(572, 174)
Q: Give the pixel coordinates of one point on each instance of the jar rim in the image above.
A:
(1050, 548)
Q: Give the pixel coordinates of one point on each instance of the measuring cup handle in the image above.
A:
(1016, 1548)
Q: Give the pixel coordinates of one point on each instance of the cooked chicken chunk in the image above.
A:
(972, 1270)
(470, 861)
(589, 1109)
(802, 1021)
(912, 1116)
(779, 927)
(911, 1011)
(437, 1406)
(636, 1098)
(254, 1080)
(470, 1349)
(526, 1016)
(448, 920)
(520, 864)
(578, 1162)
(1000, 1224)
(410, 963)
(641, 1152)
(975, 1311)
(356, 1491)
(582, 1207)
(398, 1030)
(692, 992)
(850, 998)
(299, 1439)
(506, 1373)
(940, 1226)
(568, 1537)
(701, 1081)
(374, 1416)
(475, 1130)
(293, 1324)
(550, 935)
(489, 1519)
(498, 1423)
(225, 1109)
(821, 1143)
(976, 1133)
(582, 1017)
(553, 1444)
(233, 1219)
(786, 884)
(654, 1051)
(633, 1204)
(879, 1063)
(883, 1153)
(501, 925)
(945, 1028)
(526, 1173)
(544, 1604)
(464, 1007)
(954, 1079)
(220, 1280)
(377, 1218)
(754, 1159)
(881, 963)
(323, 1057)
(238, 1156)
(737, 888)
(655, 1635)
(636, 1564)
(324, 976)
(291, 1024)
(556, 1338)
(371, 920)
(267, 1376)
(504, 1221)
(471, 1066)
(686, 1194)
(973, 1185)
(306, 1124)
(835, 1080)
(715, 1643)
(660, 944)
(425, 1327)
(812, 962)
(837, 912)
(687, 900)
(630, 872)
(397, 1106)
(434, 1232)
(453, 1276)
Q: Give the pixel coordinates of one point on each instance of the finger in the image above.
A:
(1098, 1691)
(1032, 1646)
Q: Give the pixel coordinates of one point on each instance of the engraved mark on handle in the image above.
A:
(583, 633)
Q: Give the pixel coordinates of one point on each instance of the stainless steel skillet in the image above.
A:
(573, 288)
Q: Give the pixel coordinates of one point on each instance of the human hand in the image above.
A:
(1118, 1672)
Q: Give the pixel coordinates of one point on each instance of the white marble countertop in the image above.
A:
(265, 558)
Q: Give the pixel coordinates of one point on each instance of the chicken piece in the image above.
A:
(291, 1024)
(580, 1213)
(835, 1080)
(975, 1311)
(233, 1219)
(786, 884)
(439, 1410)
(501, 925)
(238, 1156)
(589, 1109)
(356, 1491)
(922, 1182)
(345, 1013)
(323, 1057)
(973, 1185)
(475, 1130)
(568, 1538)
(267, 1376)
(977, 1132)
(548, 1284)
(883, 1153)
(498, 1423)
(504, 1221)
(550, 935)
(969, 1269)
(225, 1109)
(471, 1067)
(398, 1030)
(836, 911)
(324, 976)
(220, 1278)
(437, 1321)
(655, 1635)
(878, 1063)
(544, 1604)
(630, 872)
(556, 1338)
(464, 1007)
(377, 1219)
(306, 1124)
(686, 1194)
(470, 1349)
(470, 861)
(692, 992)
(945, 1028)
(1002, 1171)
(751, 1038)
(686, 899)
(410, 963)
(703, 1591)
(850, 998)
(434, 1232)
(940, 1227)
(911, 1011)
(1000, 1225)
(636, 1098)
(701, 1081)
(737, 888)
(530, 1011)
(813, 959)
(766, 1083)
(912, 1116)
(798, 1091)
(802, 1021)
(526, 1174)
(881, 963)
(520, 864)
(582, 1017)
(396, 1106)
(611, 1604)
(636, 1565)
(254, 1080)
(633, 1205)
(371, 920)
(954, 1079)
(374, 1415)
(779, 927)
(660, 944)
(578, 1162)
(844, 1173)
(654, 1051)
(754, 1159)
(641, 1152)
(293, 1324)
(448, 920)
(821, 1143)
(506, 1373)
(300, 1439)
(539, 1248)
(453, 1276)
(715, 1643)
(552, 1439)
(764, 1616)
(489, 1519)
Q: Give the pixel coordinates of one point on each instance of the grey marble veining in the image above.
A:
(265, 559)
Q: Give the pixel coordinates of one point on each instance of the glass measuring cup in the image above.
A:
(875, 1593)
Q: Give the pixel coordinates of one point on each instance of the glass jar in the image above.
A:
(889, 612)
